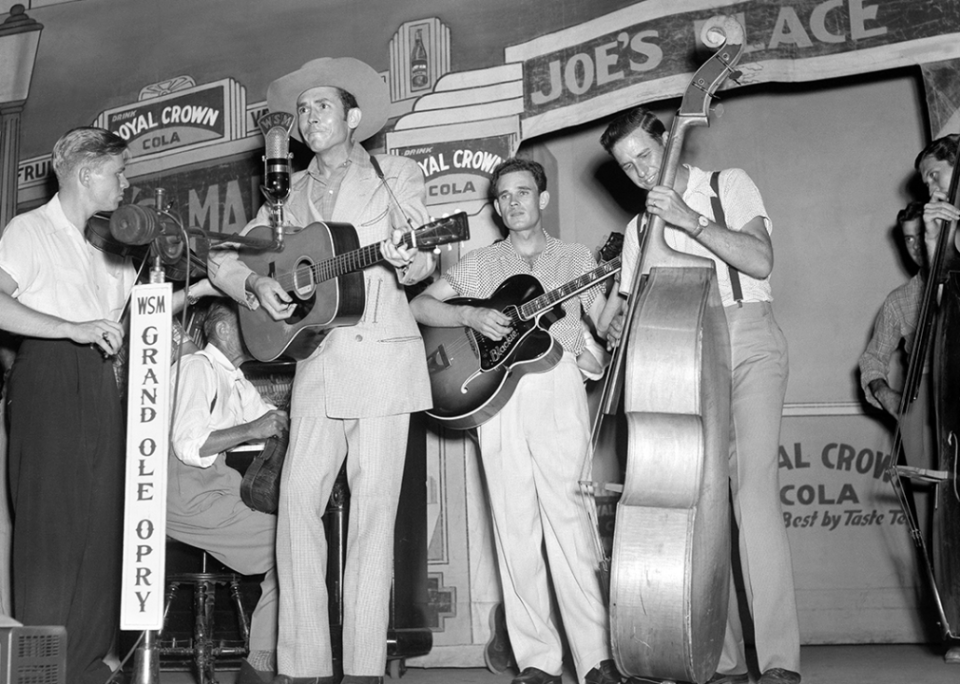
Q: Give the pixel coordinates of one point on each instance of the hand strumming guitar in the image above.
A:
(272, 297)
(488, 322)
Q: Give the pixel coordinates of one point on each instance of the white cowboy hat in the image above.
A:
(352, 75)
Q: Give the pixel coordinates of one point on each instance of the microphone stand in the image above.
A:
(277, 221)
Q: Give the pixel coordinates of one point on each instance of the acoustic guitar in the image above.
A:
(320, 268)
(472, 376)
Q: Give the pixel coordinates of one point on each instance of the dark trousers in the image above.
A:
(66, 459)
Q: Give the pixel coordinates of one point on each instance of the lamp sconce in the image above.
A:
(19, 39)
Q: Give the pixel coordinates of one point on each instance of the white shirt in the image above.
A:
(58, 272)
(214, 395)
(741, 203)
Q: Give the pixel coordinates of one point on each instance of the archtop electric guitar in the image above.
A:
(472, 376)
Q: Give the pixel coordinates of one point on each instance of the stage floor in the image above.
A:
(867, 664)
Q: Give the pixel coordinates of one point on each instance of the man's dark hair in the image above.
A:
(348, 100)
(911, 212)
(514, 164)
(629, 121)
(85, 145)
(941, 149)
(219, 310)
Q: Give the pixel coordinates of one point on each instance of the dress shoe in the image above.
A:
(359, 679)
(532, 675)
(250, 675)
(604, 673)
(779, 676)
(729, 679)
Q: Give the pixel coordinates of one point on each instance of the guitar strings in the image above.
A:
(328, 269)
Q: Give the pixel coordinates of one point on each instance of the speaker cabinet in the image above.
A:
(33, 655)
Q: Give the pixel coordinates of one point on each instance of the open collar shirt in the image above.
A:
(58, 272)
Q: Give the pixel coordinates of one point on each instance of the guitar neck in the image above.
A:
(548, 300)
(356, 260)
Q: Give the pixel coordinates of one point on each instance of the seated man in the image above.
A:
(217, 408)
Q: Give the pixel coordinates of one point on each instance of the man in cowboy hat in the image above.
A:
(351, 398)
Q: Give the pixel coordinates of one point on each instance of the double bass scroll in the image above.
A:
(670, 572)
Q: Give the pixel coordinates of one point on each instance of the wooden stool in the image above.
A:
(204, 648)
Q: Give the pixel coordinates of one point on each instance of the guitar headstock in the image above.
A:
(611, 248)
(441, 231)
(725, 34)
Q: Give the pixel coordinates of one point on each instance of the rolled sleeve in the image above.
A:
(875, 360)
(192, 418)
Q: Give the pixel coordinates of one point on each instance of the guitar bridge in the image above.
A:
(437, 360)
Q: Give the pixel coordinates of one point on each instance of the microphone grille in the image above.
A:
(132, 224)
(277, 143)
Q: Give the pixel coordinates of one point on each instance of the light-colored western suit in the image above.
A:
(352, 398)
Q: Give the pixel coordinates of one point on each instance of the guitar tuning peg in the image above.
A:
(436, 250)
(717, 111)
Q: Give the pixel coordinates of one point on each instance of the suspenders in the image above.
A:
(718, 216)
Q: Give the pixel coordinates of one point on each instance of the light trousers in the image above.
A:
(375, 449)
(533, 455)
(760, 370)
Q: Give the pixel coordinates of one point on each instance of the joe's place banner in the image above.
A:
(648, 51)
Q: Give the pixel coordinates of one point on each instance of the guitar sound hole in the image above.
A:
(304, 290)
(302, 307)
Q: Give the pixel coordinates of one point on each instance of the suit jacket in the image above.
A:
(378, 366)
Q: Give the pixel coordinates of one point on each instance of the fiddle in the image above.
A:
(177, 261)
(97, 233)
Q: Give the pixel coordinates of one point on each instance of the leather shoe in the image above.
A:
(604, 673)
(729, 679)
(778, 675)
(532, 675)
(952, 656)
(250, 675)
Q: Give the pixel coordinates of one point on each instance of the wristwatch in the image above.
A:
(702, 222)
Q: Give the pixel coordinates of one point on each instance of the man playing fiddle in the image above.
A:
(741, 248)
(66, 447)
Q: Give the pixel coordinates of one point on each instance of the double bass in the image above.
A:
(938, 324)
(670, 573)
